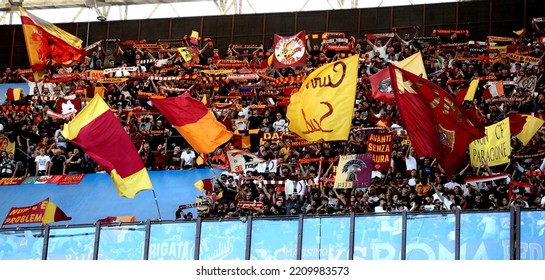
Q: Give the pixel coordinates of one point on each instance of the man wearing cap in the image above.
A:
(180, 213)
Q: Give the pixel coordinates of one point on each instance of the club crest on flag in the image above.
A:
(385, 86)
(289, 51)
(68, 108)
(446, 137)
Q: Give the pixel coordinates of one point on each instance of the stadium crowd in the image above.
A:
(258, 103)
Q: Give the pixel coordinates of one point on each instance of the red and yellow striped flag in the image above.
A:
(98, 132)
(13, 94)
(204, 185)
(194, 121)
(47, 44)
(524, 126)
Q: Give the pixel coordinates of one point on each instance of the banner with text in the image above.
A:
(493, 149)
(354, 171)
(380, 146)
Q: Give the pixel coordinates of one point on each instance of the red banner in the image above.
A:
(11, 181)
(71, 179)
(380, 147)
(43, 212)
(30, 214)
(50, 179)
(249, 204)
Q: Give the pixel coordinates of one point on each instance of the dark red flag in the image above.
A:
(381, 83)
(66, 106)
(437, 125)
(289, 51)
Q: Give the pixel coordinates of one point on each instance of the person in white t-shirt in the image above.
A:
(279, 124)
(188, 158)
(43, 162)
(381, 49)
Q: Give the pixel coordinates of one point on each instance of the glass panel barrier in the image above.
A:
(485, 236)
(123, 242)
(532, 235)
(274, 239)
(225, 240)
(326, 238)
(172, 241)
(377, 237)
(431, 236)
(24, 244)
(71, 243)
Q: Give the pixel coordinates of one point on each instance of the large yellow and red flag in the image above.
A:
(194, 121)
(98, 132)
(323, 106)
(48, 45)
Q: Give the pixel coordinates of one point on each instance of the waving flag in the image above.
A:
(240, 160)
(436, 124)
(43, 212)
(381, 83)
(48, 45)
(323, 107)
(289, 51)
(98, 132)
(524, 127)
(205, 185)
(14, 94)
(194, 121)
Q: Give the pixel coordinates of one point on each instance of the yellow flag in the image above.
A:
(414, 64)
(187, 53)
(323, 106)
(470, 95)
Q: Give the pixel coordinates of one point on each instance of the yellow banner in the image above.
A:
(523, 58)
(323, 106)
(96, 75)
(500, 39)
(219, 72)
(113, 80)
(186, 53)
(493, 149)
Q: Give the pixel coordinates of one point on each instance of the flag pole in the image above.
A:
(156, 204)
